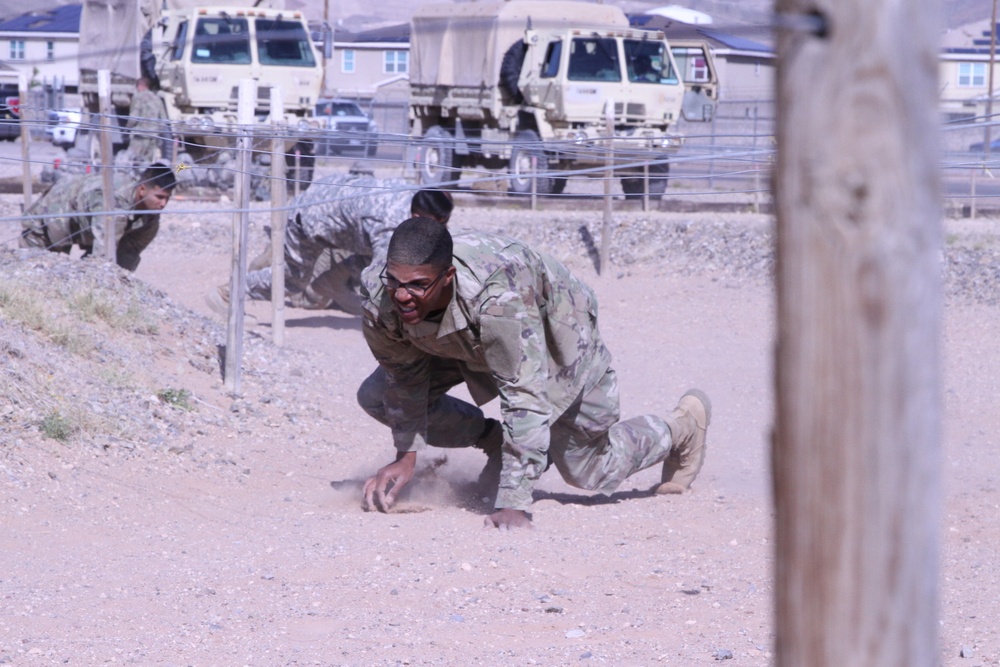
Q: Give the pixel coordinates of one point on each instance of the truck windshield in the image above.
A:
(647, 62)
(283, 43)
(338, 109)
(593, 59)
(223, 41)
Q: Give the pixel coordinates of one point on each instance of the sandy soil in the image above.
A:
(248, 545)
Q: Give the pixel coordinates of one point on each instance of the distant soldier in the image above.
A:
(509, 322)
(147, 122)
(79, 199)
(334, 230)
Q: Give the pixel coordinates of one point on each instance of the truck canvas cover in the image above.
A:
(111, 30)
(110, 33)
(463, 44)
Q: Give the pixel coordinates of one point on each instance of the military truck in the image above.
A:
(196, 55)
(496, 84)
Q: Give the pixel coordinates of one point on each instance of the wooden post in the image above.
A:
(756, 167)
(534, 182)
(107, 164)
(241, 226)
(858, 424)
(298, 168)
(645, 187)
(278, 216)
(609, 162)
(26, 186)
(972, 194)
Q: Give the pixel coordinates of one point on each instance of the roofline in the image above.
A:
(763, 55)
(6, 34)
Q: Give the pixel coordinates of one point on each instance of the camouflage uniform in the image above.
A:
(519, 326)
(333, 230)
(77, 196)
(147, 119)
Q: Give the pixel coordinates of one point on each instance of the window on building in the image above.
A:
(972, 74)
(396, 62)
(17, 49)
(347, 61)
(50, 51)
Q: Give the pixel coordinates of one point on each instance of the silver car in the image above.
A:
(348, 129)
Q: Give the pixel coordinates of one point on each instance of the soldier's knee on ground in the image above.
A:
(370, 396)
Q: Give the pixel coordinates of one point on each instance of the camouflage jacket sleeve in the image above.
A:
(512, 334)
(92, 201)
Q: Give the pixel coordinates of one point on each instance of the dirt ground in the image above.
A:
(247, 545)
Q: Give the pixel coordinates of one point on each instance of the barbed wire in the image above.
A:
(709, 157)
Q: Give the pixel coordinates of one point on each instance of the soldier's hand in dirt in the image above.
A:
(382, 489)
(506, 519)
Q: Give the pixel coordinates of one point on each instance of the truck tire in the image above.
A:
(510, 71)
(436, 157)
(528, 145)
(558, 184)
(632, 186)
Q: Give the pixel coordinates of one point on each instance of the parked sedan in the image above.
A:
(347, 129)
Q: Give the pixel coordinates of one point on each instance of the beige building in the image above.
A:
(965, 70)
(370, 64)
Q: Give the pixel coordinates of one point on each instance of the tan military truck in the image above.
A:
(495, 84)
(198, 55)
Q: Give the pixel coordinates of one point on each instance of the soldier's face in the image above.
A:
(417, 291)
(151, 198)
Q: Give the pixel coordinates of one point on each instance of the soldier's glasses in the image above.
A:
(414, 289)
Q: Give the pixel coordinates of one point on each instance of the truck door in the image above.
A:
(696, 68)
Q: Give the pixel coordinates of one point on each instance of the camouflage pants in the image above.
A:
(144, 150)
(588, 444)
(333, 279)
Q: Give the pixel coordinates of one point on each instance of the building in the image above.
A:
(965, 70)
(43, 45)
(369, 64)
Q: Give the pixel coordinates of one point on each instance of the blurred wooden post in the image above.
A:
(241, 226)
(756, 166)
(972, 194)
(534, 182)
(278, 216)
(609, 163)
(107, 164)
(858, 424)
(298, 168)
(645, 187)
(26, 187)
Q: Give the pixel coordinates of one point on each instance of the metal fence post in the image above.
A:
(241, 224)
(107, 163)
(279, 193)
(22, 88)
(609, 123)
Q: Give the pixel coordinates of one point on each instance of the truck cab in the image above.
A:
(202, 54)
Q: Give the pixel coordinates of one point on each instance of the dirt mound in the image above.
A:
(91, 355)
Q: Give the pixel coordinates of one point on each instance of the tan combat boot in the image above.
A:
(688, 429)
